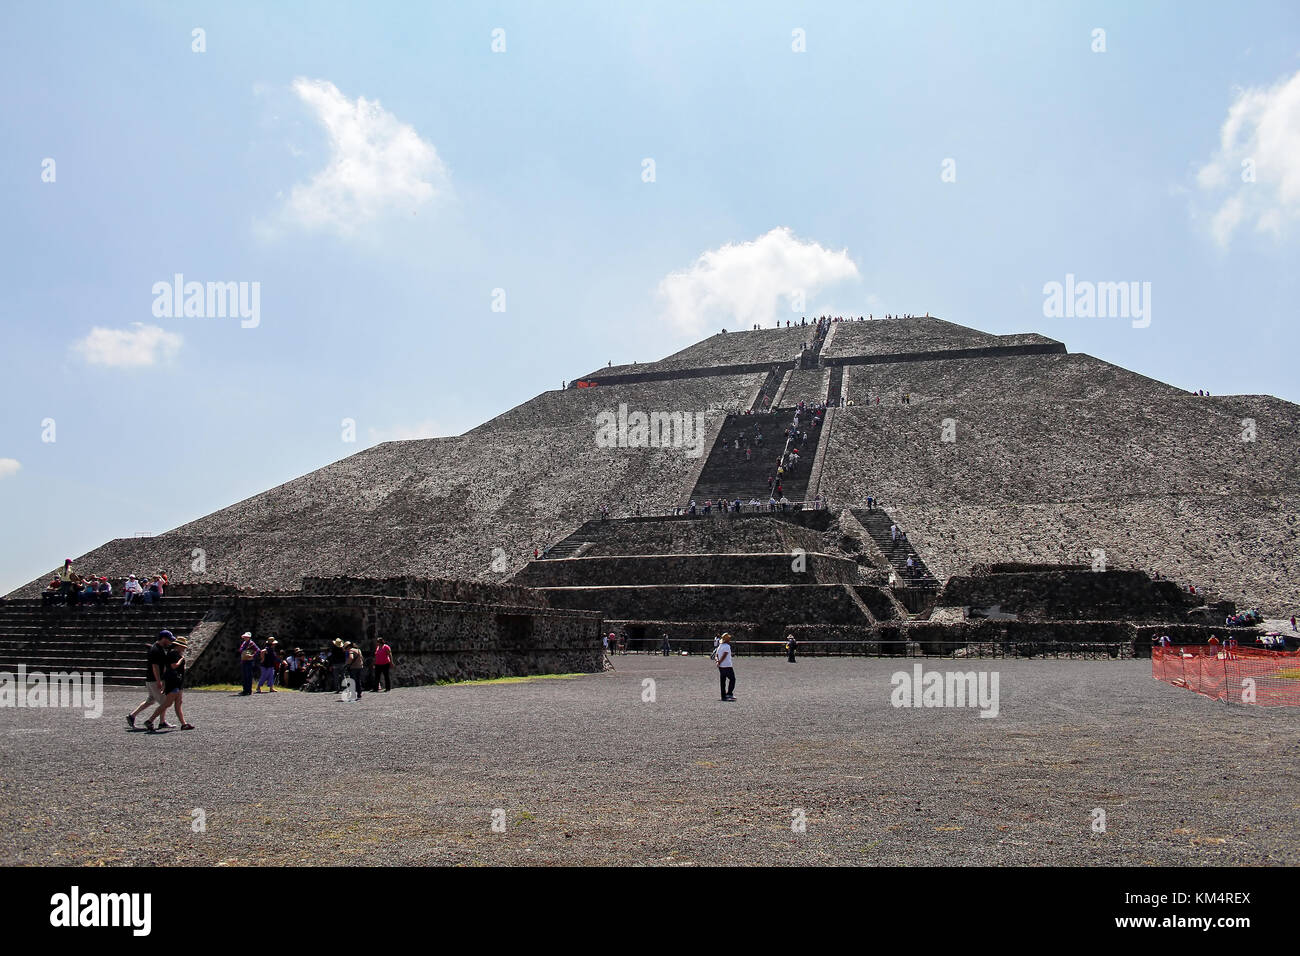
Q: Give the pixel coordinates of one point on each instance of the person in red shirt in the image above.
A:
(383, 664)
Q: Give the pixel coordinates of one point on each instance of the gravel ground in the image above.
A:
(586, 772)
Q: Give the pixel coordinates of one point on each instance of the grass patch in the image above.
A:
(513, 680)
(1289, 673)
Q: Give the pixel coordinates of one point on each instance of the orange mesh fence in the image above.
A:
(1232, 674)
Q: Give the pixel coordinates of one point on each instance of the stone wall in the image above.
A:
(1071, 595)
(777, 605)
(427, 589)
(431, 640)
(690, 569)
(716, 533)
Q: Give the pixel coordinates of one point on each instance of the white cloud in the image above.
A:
(400, 432)
(138, 346)
(743, 283)
(9, 466)
(377, 164)
(1261, 133)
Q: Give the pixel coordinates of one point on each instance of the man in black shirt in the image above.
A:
(155, 673)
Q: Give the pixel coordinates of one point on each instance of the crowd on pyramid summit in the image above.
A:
(829, 319)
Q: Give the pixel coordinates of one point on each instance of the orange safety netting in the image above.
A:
(1232, 674)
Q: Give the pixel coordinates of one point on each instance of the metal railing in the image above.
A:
(956, 650)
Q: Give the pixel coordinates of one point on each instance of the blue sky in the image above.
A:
(377, 242)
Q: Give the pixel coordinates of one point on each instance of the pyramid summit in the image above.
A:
(985, 448)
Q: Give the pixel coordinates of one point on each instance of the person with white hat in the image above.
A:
(249, 658)
(726, 672)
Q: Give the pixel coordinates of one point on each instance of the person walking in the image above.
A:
(356, 663)
(383, 663)
(726, 672)
(790, 645)
(249, 654)
(155, 669)
(666, 647)
(174, 685)
(270, 661)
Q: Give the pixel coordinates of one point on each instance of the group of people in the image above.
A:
(335, 666)
(67, 587)
(789, 323)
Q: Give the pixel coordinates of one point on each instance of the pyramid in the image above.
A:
(986, 448)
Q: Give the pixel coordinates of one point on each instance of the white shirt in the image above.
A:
(724, 655)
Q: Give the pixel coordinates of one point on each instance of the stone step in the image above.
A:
(877, 522)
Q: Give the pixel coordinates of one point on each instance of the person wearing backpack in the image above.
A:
(270, 661)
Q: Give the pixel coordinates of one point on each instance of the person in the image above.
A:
(726, 672)
(338, 658)
(51, 591)
(174, 684)
(665, 647)
(249, 653)
(132, 590)
(383, 663)
(790, 645)
(270, 661)
(355, 665)
(67, 586)
(155, 667)
(1293, 622)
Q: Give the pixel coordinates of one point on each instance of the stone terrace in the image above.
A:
(1058, 455)
(733, 348)
(440, 507)
(894, 336)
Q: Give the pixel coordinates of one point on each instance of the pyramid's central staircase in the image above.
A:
(730, 473)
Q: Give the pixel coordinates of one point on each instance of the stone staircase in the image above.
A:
(877, 522)
(727, 474)
(811, 357)
(570, 546)
(835, 391)
(108, 639)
